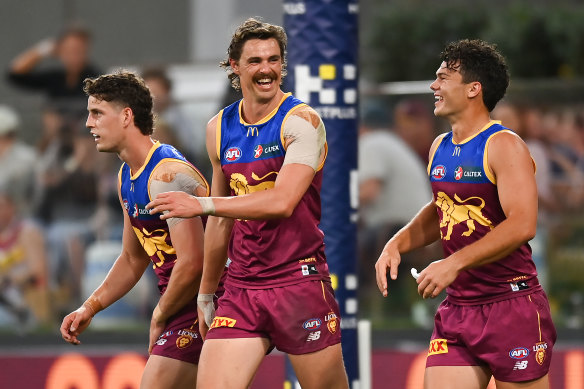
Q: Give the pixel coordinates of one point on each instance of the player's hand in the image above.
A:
(203, 327)
(436, 277)
(175, 204)
(389, 260)
(156, 329)
(75, 323)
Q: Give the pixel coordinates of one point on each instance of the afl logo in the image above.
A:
(312, 324)
(126, 204)
(458, 173)
(257, 152)
(233, 154)
(439, 172)
(519, 353)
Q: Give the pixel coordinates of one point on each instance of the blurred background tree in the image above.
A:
(539, 39)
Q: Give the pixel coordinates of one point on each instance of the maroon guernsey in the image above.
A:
(467, 201)
(276, 252)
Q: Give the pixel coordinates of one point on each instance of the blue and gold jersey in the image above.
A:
(153, 233)
(468, 206)
(274, 252)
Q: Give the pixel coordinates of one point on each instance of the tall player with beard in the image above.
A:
(495, 320)
(121, 121)
(267, 152)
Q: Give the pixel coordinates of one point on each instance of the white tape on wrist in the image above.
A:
(206, 304)
(207, 205)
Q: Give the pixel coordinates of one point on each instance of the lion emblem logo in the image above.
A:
(238, 183)
(461, 211)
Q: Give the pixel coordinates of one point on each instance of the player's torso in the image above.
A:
(468, 206)
(153, 233)
(268, 252)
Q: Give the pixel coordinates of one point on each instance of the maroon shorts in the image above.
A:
(181, 339)
(514, 338)
(297, 319)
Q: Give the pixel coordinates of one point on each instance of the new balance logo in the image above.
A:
(313, 336)
(521, 365)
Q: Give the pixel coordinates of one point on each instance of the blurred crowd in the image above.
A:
(59, 202)
(58, 195)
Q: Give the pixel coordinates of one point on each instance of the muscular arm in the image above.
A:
(280, 201)
(122, 277)
(187, 239)
(511, 164)
(422, 230)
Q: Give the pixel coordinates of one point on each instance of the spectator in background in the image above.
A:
(16, 159)
(415, 124)
(61, 83)
(172, 126)
(66, 201)
(24, 298)
(393, 186)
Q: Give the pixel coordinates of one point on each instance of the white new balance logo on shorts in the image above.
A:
(520, 365)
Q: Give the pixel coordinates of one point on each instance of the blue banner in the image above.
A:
(322, 71)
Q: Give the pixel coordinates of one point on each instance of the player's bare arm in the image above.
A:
(422, 230)
(217, 233)
(187, 240)
(511, 164)
(296, 175)
(123, 276)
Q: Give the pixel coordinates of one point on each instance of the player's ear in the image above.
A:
(127, 116)
(234, 65)
(474, 89)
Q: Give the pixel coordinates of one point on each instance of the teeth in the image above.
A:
(264, 81)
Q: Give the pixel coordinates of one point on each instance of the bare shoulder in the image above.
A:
(182, 175)
(212, 123)
(507, 141)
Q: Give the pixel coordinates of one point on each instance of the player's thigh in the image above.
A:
(230, 363)
(455, 377)
(163, 372)
(540, 383)
(321, 369)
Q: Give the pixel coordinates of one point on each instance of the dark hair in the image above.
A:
(128, 90)
(479, 61)
(253, 29)
(77, 30)
(158, 73)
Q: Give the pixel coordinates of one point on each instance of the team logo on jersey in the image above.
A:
(312, 324)
(460, 211)
(458, 173)
(135, 213)
(332, 322)
(438, 346)
(257, 152)
(519, 353)
(220, 321)
(240, 186)
(232, 154)
(439, 172)
(539, 350)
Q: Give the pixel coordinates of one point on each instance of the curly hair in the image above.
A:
(479, 61)
(253, 29)
(127, 89)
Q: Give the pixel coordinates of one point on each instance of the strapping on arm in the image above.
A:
(305, 138)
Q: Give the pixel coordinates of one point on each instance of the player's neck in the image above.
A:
(468, 123)
(136, 152)
(254, 110)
